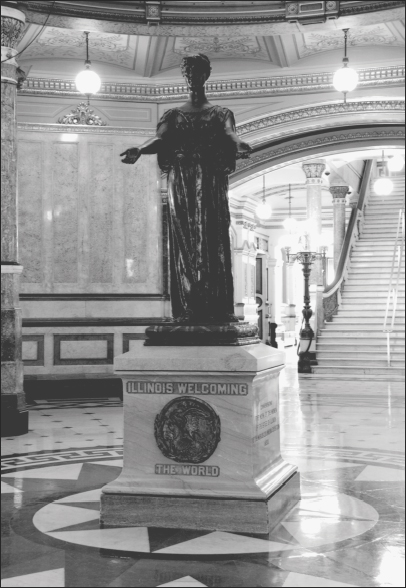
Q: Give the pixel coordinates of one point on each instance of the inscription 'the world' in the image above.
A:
(214, 389)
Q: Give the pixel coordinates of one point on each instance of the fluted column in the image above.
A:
(314, 170)
(339, 192)
(14, 417)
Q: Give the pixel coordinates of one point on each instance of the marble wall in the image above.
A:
(89, 224)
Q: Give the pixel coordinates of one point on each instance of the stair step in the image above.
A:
(332, 369)
(378, 315)
(351, 377)
(322, 354)
(362, 321)
(358, 363)
(372, 348)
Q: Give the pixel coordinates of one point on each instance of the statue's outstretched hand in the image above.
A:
(131, 155)
(244, 150)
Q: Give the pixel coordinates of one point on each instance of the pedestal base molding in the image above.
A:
(204, 514)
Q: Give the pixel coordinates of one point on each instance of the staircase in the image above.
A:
(354, 344)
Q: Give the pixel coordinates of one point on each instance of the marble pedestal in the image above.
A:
(241, 484)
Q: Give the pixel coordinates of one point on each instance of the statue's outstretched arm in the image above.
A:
(241, 146)
(149, 148)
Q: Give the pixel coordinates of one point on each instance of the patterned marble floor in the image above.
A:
(345, 437)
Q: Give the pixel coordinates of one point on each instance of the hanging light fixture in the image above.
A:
(263, 210)
(383, 185)
(87, 81)
(345, 79)
(290, 224)
(396, 163)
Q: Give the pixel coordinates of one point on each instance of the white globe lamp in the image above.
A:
(383, 186)
(263, 210)
(396, 163)
(345, 79)
(87, 81)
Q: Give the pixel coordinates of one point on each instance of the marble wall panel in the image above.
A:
(83, 349)
(30, 350)
(65, 212)
(30, 213)
(100, 205)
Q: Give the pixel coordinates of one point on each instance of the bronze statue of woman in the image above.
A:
(197, 148)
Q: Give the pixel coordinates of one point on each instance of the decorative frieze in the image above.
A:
(293, 84)
(247, 225)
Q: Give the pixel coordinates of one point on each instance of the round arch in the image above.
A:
(296, 135)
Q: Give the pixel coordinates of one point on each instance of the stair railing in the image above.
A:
(332, 293)
(396, 271)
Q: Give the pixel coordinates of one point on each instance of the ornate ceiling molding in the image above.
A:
(320, 111)
(74, 128)
(254, 87)
(186, 18)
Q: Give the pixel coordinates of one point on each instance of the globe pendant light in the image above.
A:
(396, 163)
(345, 79)
(290, 224)
(383, 186)
(263, 210)
(87, 81)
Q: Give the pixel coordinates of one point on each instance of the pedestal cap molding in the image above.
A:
(250, 358)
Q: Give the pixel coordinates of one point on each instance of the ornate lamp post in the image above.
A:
(306, 345)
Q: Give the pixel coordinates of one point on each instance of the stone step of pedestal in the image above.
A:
(338, 369)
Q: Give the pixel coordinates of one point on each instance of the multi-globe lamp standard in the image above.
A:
(345, 79)
(87, 81)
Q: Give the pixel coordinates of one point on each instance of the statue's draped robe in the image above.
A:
(197, 155)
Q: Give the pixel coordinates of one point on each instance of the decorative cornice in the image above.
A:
(332, 109)
(74, 128)
(334, 138)
(278, 85)
(369, 7)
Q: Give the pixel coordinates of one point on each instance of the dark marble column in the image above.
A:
(14, 417)
(339, 192)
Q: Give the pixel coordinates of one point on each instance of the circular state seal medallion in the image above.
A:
(187, 430)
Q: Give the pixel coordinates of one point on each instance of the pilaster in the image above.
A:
(14, 417)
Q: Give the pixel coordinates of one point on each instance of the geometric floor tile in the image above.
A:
(187, 581)
(377, 474)
(89, 496)
(117, 463)
(312, 465)
(121, 539)
(51, 578)
(64, 472)
(7, 489)
(224, 543)
(57, 516)
(333, 506)
(295, 580)
(317, 531)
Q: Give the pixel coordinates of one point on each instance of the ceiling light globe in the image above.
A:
(88, 82)
(290, 225)
(345, 79)
(383, 186)
(263, 211)
(396, 163)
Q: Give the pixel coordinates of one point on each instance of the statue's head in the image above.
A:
(196, 70)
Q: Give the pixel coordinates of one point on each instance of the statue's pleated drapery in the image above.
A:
(197, 157)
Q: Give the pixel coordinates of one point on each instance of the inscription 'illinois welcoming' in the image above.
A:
(214, 389)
